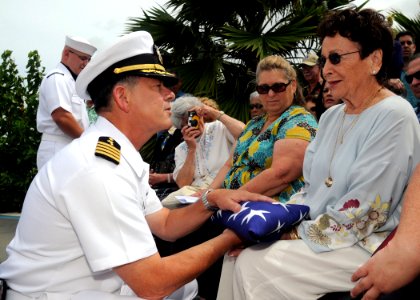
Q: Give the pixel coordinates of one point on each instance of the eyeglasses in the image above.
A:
(409, 78)
(256, 105)
(334, 58)
(81, 57)
(277, 87)
(409, 43)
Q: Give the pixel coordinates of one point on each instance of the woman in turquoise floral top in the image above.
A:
(268, 157)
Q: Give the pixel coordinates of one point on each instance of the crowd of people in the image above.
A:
(344, 142)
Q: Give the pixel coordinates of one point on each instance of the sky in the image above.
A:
(27, 25)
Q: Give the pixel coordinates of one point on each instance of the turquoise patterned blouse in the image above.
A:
(254, 149)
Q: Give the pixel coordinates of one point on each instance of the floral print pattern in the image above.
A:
(360, 222)
(254, 149)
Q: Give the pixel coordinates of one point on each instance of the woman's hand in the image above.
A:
(190, 134)
(156, 178)
(208, 113)
(229, 199)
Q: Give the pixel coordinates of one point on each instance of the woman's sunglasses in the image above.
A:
(277, 87)
(334, 58)
(257, 106)
(409, 78)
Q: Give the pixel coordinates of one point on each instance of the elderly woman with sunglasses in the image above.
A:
(355, 171)
(268, 156)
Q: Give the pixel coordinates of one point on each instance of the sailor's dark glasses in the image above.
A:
(277, 87)
(409, 78)
(334, 58)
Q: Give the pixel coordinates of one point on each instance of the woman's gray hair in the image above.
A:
(180, 108)
(253, 95)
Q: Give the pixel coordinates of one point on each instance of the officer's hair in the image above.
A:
(103, 97)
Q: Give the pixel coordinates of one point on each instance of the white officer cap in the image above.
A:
(132, 54)
(80, 44)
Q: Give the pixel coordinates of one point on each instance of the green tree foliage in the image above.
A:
(214, 46)
(19, 138)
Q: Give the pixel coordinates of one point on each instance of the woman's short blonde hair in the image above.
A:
(209, 102)
(275, 62)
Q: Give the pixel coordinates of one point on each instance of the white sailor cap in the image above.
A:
(132, 54)
(80, 44)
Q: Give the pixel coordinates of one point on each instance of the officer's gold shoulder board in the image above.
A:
(109, 149)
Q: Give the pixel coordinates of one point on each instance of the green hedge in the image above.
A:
(19, 138)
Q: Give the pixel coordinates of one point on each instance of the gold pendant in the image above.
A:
(328, 181)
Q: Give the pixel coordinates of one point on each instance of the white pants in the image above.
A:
(288, 270)
(50, 145)
(186, 292)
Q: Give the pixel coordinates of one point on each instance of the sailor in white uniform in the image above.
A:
(88, 219)
(62, 114)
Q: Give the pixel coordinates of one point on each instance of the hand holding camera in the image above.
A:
(193, 119)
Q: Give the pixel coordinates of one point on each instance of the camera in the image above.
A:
(193, 119)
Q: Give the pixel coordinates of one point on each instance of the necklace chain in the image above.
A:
(329, 180)
(350, 127)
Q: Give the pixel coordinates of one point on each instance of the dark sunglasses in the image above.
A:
(257, 106)
(334, 58)
(409, 78)
(277, 87)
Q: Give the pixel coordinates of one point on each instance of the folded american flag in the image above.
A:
(259, 221)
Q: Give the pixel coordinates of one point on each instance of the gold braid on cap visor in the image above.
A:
(146, 68)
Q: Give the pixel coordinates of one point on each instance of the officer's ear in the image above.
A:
(120, 97)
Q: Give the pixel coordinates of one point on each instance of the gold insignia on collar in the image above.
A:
(108, 149)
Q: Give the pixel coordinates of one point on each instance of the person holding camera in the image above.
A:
(206, 146)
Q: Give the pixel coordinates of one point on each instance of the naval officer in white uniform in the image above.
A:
(62, 114)
(88, 219)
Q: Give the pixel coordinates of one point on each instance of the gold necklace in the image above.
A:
(329, 180)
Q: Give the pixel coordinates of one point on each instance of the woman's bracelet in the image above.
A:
(221, 113)
(169, 177)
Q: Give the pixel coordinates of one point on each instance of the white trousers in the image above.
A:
(186, 292)
(50, 145)
(288, 270)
